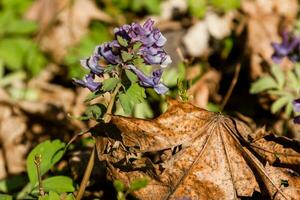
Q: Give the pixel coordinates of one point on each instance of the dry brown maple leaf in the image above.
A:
(190, 153)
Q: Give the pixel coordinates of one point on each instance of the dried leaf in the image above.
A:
(191, 153)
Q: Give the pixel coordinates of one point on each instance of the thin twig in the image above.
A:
(86, 176)
(232, 85)
(37, 162)
(107, 115)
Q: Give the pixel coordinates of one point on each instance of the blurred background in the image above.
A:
(42, 41)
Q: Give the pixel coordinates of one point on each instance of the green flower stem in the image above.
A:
(86, 176)
(37, 162)
(107, 115)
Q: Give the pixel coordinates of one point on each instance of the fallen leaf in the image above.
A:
(65, 23)
(190, 153)
(266, 20)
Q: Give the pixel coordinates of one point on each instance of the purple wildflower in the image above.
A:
(151, 39)
(152, 81)
(88, 82)
(92, 63)
(155, 56)
(296, 106)
(109, 51)
(287, 48)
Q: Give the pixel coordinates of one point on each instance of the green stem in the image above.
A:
(86, 176)
(107, 115)
(37, 161)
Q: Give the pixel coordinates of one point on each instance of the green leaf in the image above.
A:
(110, 84)
(58, 184)
(225, 5)
(139, 62)
(6, 197)
(143, 110)
(92, 96)
(136, 93)
(288, 109)
(138, 184)
(197, 8)
(95, 111)
(35, 60)
(50, 196)
(13, 183)
(51, 153)
(13, 51)
(262, 84)
(297, 71)
(126, 104)
(18, 26)
(279, 103)
(293, 81)
(136, 46)
(123, 42)
(279, 75)
(119, 186)
(126, 56)
(131, 76)
(69, 197)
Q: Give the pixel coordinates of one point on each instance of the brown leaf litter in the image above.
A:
(190, 153)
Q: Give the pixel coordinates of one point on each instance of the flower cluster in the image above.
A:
(289, 47)
(133, 45)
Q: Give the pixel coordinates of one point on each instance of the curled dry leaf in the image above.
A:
(190, 153)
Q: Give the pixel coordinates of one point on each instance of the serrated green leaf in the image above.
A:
(110, 84)
(136, 92)
(126, 104)
(279, 75)
(123, 42)
(262, 84)
(279, 103)
(51, 153)
(136, 46)
(53, 196)
(139, 62)
(131, 76)
(138, 184)
(126, 56)
(119, 186)
(95, 111)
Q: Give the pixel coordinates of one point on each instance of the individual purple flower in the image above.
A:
(155, 56)
(109, 51)
(287, 48)
(88, 82)
(296, 106)
(150, 81)
(92, 63)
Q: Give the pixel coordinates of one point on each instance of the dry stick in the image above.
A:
(89, 168)
(37, 162)
(86, 176)
(232, 85)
